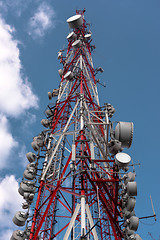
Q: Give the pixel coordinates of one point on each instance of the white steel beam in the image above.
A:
(61, 93)
(92, 151)
(58, 142)
(73, 152)
(94, 87)
(47, 155)
(70, 226)
(91, 222)
(83, 216)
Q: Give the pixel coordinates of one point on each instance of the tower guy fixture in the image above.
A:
(78, 183)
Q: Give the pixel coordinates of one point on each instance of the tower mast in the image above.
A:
(79, 177)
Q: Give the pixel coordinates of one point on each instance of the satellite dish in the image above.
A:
(75, 21)
(35, 146)
(49, 112)
(68, 75)
(122, 159)
(132, 188)
(88, 36)
(77, 44)
(71, 36)
(26, 186)
(20, 218)
(124, 133)
(131, 204)
(31, 166)
(28, 174)
(31, 157)
(133, 223)
(60, 71)
(49, 95)
(45, 123)
(17, 235)
(39, 139)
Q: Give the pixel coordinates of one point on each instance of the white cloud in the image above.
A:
(7, 142)
(6, 234)
(42, 21)
(16, 94)
(10, 202)
(22, 156)
(29, 119)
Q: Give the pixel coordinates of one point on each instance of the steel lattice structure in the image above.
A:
(78, 178)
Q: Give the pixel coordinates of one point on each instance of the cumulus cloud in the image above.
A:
(42, 21)
(29, 119)
(10, 202)
(16, 93)
(6, 234)
(7, 142)
(22, 156)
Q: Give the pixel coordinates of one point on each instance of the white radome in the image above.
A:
(122, 159)
(75, 21)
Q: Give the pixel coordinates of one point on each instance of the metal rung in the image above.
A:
(83, 156)
(94, 123)
(83, 140)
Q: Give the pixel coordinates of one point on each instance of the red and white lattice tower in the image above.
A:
(77, 186)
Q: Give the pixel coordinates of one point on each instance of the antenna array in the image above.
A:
(77, 184)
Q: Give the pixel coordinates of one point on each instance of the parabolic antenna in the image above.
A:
(88, 36)
(77, 44)
(31, 157)
(133, 223)
(26, 186)
(17, 235)
(71, 36)
(131, 204)
(122, 159)
(68, 75)
(60, 71)
(75, 21)
(28, 174)
(124, 133)
(20, 218)
(132, 188)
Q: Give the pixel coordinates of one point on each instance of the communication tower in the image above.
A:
(77, 184)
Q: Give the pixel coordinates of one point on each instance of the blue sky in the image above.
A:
(127, 38)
